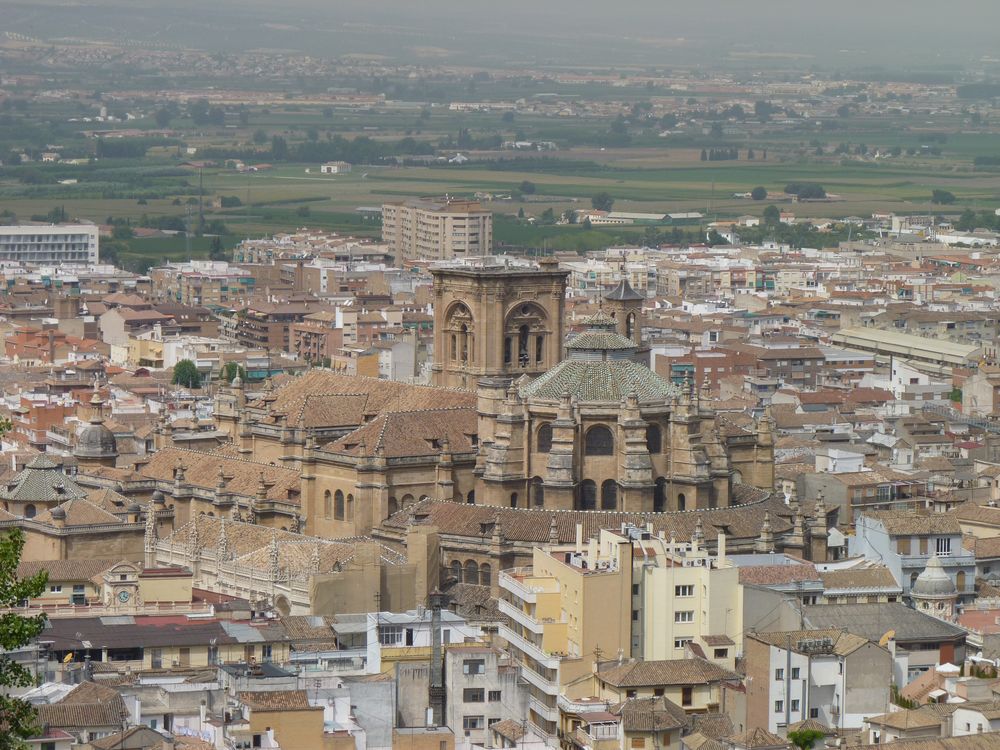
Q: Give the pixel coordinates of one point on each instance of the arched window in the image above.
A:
(539, 349)
(338, 505)
(471, 574)
(485, 574)
(471, 497)
(454, 346)
(588, 495)
(543, 439)
(522, 346)
(456, 570)
(407, 501)
(681, 502)
(465, 343)
(507, 346)
(327, 505)
(29, 511)
(630, 325)
(654, 439)
(609, 495)
(393, 505)
(660, 495)
(537, 492)
(599, 442)
(513, 499)
(350, 508)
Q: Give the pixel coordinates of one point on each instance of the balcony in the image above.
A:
(517, 641)
(520, 616)
(546, 712)
(546, 686)
(521, 583)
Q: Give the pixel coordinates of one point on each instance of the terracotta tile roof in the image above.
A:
(908, 522)
(874, 577)
(666, 672)
(201, 469)
(277, 700)
(985, 741)
(978, 513)
(649, 714)
(87, 705)
(320, 395)
(773, 575)
(509, 729)
(742, 521)
(80, 512)
(250, 544)
(66, 570)
(413, 433)
(757, 737)
(713, 726)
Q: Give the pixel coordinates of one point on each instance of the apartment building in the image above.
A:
(50, 243)
(571, 606)
(483, 689)
(429, 229)
(829, 675)
(203, 283)
(683, 595)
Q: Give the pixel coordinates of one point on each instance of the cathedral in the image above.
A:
(588, 426)
(517, 417)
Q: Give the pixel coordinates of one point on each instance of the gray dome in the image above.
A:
(933, 582)
(134, 508)
(158, 498)
(96, 441)
(58, 513)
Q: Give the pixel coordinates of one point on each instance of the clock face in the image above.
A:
(123, 596)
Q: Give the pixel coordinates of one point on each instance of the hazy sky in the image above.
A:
(911, 33)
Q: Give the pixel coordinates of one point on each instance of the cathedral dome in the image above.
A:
(934, 582)
(96, 441)
(600, 367)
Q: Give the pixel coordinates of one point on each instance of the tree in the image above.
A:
(231, 370)
(759, 193)
(17, 717)
(602, 201)
(527, 187)
(704, 155)
(279, 148)
(507, 117)
(942, 197)
(186, 374)
(302, 211)
(804, 739)
(260, 136)
(967, 221)
(772, 215)
(162, 117)
(216, 251)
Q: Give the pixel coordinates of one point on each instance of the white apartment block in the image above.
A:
(436, 229)
(49, 243)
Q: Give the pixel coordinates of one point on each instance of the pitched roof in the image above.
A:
(774, 575)
(86, 705)
(605, 380)
(910, 522)
(649, 714)
(873, 620)
(874, 577)
(242, 477)
(985, 741)
(316, 399)
(694, 671)
(41, 480)
(741, 521)
(66, 570)
(79, 512)
(277, 700)
(412, 433)
(757, 737)
(843, 643)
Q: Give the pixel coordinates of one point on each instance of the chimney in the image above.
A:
(579, 538)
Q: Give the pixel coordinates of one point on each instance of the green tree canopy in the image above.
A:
(231, 369)
(804, 739)
(186, 374)
(527, 187)
(602, 201)
(942, 197)
(772, 215)
(17, 717)
(759, 193)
